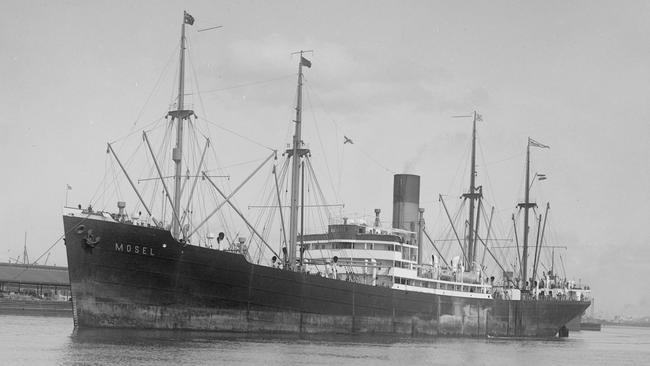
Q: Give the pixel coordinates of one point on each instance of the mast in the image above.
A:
(472, 195)
(526, 205)
(296, 153)
(302, 213)
(180, 114)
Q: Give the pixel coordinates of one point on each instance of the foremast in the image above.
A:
(179, 116)
(296, 152)
(474, 195)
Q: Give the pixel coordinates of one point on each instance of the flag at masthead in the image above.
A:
(305, 62)
(188, 18)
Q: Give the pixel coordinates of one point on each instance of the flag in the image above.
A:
(532, 142)
(305, 62)
(67, 186)
(188, 19)
(541, 176)
(479, 118)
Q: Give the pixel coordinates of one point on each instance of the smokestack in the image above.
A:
(377, 222)
(406, 201)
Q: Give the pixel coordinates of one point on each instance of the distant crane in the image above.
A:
(25, 256)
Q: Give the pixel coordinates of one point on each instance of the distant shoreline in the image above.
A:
(630, 324)
(36, 307)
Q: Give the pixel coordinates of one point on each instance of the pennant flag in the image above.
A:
(541, 176)
(479, 117)
(188, 19)
(305, 62)
(532, 142)
(67, 186)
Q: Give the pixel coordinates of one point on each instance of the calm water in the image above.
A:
(50, 341)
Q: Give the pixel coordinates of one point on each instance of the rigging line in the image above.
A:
(236, 164)
(232, 193)
(239, 135)
(196, 82)
(248, 84)
(320, 141)
(103, 182)
(48, 249)
(502, 160)
(336, 127)
(225, 219)
(270, 220)
(358, 147)
(133, 132)
(164, 146)
(232, 205)
(375, 161)
(336, 131)
(487, 175)
(464, 158)
(169, 60)
(313, 174)
(107, 185)
(313, 196)
(283, 183)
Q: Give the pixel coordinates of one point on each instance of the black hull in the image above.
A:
(140, 277)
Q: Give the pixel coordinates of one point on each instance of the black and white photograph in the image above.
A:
(309, 182)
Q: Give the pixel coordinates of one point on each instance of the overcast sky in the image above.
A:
(571, 74)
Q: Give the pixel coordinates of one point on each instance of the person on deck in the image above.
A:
(275, 263)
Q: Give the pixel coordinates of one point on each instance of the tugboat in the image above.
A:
(128, 272)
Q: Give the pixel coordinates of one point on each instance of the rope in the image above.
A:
(239, 135)
(34, 263)
(249, 84)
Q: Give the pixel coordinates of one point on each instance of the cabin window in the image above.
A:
(340, 245)
(382, 247)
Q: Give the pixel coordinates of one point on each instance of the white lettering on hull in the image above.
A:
(134, 249)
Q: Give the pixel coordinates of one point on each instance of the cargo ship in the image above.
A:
(354, 278)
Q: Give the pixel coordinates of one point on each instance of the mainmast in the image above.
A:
(527, 205)
(473, 195)
(296, 152)
(179, 115)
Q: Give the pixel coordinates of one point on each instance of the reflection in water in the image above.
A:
(126, 346)
(47, 341)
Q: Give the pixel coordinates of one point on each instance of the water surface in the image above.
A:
(28, 340)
